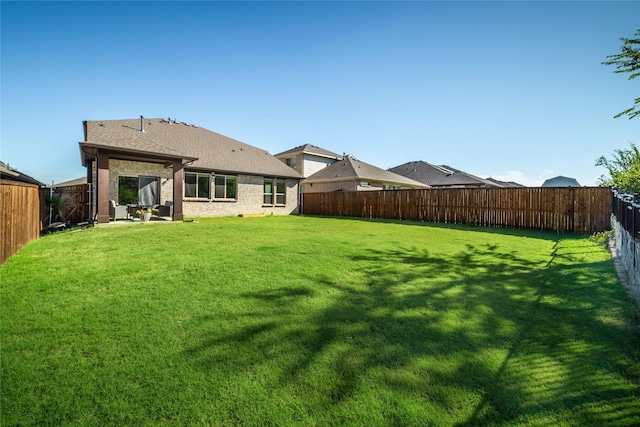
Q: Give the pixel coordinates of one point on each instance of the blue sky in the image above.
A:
(512, 90)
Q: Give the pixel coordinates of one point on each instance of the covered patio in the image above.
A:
(127, 180)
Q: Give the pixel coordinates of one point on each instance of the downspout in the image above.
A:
(50, 204)
(95, 188)
(92, 190)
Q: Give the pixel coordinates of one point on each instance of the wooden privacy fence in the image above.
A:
(573, 209)
(76, 203)
(22, 206)
(626, 209)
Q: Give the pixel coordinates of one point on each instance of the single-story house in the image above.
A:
(152, 162)
(308, 159)
(442, 176)
(71, 183)
(561, 181)
(350, 174)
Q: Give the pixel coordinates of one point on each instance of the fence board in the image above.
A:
(626, 208)
(573, 209)
(77, 203)
(21, 205)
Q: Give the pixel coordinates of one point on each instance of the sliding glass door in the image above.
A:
(140, 189)
(148, 190)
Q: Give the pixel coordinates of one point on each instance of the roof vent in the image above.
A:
(141, 124)
(442, 168)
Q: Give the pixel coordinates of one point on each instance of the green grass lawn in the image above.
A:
(316, 321)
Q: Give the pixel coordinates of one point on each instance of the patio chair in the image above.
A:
(117, 211)
(163, 210)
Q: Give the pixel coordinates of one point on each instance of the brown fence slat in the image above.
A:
(20, 217)
(77, 202)
(573, 209)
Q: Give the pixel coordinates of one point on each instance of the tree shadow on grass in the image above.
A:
(481, 336)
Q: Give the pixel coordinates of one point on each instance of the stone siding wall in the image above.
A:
(249, 197)
(249, 201)
(119, 168)
(628, 252)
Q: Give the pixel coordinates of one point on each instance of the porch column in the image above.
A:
(178, 179)
(103, 189)
(92, 191)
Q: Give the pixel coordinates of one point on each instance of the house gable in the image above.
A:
(308, 159)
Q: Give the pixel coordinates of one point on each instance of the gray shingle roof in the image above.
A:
(13, 174)
(310, 149)
(505, 184)
(351, 168)
(73, 182)
(208, 150)
(439, 176)
(561, 181)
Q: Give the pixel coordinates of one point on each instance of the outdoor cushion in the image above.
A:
(117, 211)
(163, 210)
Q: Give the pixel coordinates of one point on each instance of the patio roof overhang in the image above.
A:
(89, 151)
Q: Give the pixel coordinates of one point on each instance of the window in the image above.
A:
(197, 185)
(268, 191)
(225, 187)
(292, 161)
(275, 188)
(280, 192)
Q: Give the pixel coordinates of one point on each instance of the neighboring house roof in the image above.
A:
(13, 174)
(312, 150)
(506, 184)
(439, 176)
(561, 181)
(349, 168)
(199, 148)
(73, 182)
